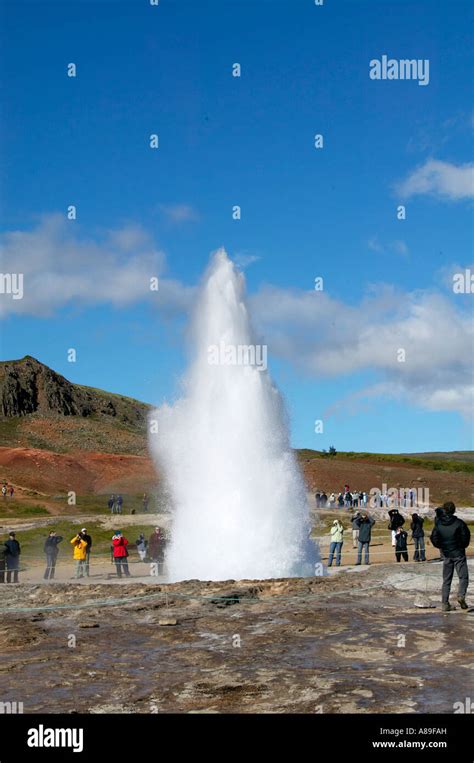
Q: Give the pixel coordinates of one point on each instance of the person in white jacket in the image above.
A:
(337, 534)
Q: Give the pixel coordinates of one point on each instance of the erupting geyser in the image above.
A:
(239, 501)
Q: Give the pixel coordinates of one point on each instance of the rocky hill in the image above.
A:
(40, 408)
(28, 386)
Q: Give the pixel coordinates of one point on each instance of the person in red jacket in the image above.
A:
(120, 554)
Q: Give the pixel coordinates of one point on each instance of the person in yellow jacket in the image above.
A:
(80, 554)
(337, 536)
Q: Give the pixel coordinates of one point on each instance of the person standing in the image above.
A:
(51, 550)
(146, 501)
(452, 536)
(119, 502)
(337, 539)
(401, 548)
(418, 535)
(396, 521)
(111, 504)
(12, 558)
(355, 529)
(156, 547)
(12, 490)
(141, 545)
(3, 552)
(88, 540)
(4, 491)
(155, 544)
(120, 553)
(79, 554)
(365, 524)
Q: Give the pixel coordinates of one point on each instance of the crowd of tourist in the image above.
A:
(450, 535)
(401, 498)
(151, 550)
(115, 504)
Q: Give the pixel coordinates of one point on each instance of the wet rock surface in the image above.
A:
(339, 644)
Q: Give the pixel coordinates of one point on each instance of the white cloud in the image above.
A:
(243, 259)
(395, 247)
(179, 213)
(61, 267)
(326, 338)
(322, 336)
(441, 179)
(399, 247)
(374, 245)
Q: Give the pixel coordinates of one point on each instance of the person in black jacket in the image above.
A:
(452, 536)
(401, 548)
(418, 535)
(396, 520)
(364, 523)
(12, 558)
(88, 540)
(3, 551)
(51, 550)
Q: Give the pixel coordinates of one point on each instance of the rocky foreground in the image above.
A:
(373, 641)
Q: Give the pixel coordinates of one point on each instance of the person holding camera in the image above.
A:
(396, 520)
(51, 550)
(401, 548)
(120, 554)
(12, 558)
(79, 554)
(365, 524)
(88, 540)
(418, 535)
(337, 539)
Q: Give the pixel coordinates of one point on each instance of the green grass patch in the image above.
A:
(442, 464)
(14, 508)
(97, 504)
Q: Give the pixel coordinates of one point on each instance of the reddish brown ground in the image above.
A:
(88, 473)
(83, 472)
(331, 474)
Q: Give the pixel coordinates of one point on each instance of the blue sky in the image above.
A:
(247, 141)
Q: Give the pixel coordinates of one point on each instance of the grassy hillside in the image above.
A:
(67, 434)
(456, 461)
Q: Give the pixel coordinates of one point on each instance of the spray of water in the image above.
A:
(239, 501)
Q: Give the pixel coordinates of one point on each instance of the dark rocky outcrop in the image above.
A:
(29, 387)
